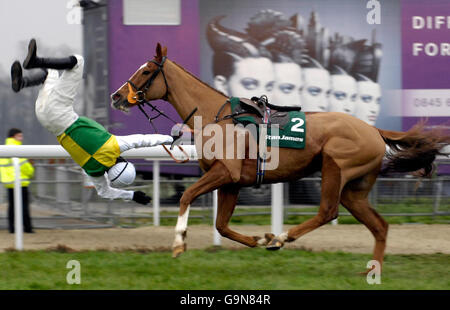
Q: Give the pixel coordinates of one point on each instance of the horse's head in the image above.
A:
(146, 84)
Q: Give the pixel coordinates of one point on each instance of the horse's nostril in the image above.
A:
(115, 96)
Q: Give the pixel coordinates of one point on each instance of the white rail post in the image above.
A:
(156, 184)
(277, 208)
(217, 237)
(18, 218)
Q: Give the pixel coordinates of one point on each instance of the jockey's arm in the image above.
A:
(104, 190)
(137, 141)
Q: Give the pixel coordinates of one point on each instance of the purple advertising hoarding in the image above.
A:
(413, 37)
(426, 62)
(132, 46)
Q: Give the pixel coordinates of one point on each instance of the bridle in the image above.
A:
(141, 100)
(141, 91)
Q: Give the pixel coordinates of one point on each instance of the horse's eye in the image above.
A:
(146, 72)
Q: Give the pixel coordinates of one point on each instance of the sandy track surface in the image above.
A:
(402, 239)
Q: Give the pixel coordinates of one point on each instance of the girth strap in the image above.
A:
(264, 113)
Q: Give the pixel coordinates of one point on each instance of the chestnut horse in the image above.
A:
(347, 151)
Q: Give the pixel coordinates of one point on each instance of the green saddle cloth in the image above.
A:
(291, 130)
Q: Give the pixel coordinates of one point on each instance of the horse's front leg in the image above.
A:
(217, 176)
(227, 197)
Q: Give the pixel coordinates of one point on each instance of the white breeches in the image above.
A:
(54, 105)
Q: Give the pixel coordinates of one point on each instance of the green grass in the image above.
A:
(248, 269)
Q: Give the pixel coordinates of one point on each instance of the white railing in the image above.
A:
(155, 154)
(57, 151)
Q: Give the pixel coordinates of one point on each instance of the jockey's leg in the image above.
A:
(32, 61)
(54, 106)
(18, 81)
(70, 80)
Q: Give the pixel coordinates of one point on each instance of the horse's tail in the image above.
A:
(414, 150)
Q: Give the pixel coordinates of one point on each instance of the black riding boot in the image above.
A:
(18, 81)
(32, 61)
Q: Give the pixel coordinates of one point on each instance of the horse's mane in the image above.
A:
(206, 84)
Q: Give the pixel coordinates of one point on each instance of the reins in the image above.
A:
(140, 98)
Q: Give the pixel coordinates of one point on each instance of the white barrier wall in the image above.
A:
(155, 154)
(57, 151)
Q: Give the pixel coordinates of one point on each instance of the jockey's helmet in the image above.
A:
(122, 173)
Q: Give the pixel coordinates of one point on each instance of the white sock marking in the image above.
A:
(181, 227)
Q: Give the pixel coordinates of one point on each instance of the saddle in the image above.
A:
(257, 111)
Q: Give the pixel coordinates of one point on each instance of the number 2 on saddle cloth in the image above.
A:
(258, 111)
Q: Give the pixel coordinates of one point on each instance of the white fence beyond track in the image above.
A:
(155, 154)
(57, 151)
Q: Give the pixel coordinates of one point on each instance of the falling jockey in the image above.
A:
(90, 145)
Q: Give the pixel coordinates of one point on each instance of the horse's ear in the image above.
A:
(159, 53)
(164, 51)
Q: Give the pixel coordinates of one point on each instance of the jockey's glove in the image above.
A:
(141, 197)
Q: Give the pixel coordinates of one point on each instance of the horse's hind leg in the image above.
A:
(329, 203)
(355, 199)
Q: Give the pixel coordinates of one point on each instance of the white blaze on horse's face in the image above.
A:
(316, 89)
(252, 77)
(343, 94)
(142, 67)
(288, 84)
(368, 101)
(137, 73)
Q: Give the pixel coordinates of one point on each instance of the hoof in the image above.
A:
(274, 245)
(178, 250)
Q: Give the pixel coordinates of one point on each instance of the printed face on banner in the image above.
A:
(288, 85)
(252, 77)
(343, 94)
(368, 101)
(316, 89)
(306, 44)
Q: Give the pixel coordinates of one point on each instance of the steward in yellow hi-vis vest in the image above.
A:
(7, 172)
(88, 143)
(8, 178)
